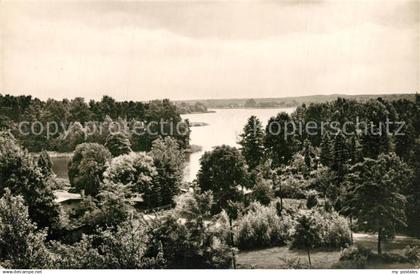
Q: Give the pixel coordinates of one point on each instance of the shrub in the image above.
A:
(333, 230)
(262, 227)
(412, 253)
(263, 192)
(338, 232)
(311, 199)
(292, 186)
(357, 255)
(293, 263)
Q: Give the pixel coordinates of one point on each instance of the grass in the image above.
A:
(274, 258)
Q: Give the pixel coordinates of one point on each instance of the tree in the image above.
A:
(74, 137)
(252, 142)
(375, 139)
(19, 173)
(79, 111)
(413, 193)
(340, 154)
(374, 194)
(355, 152)
(405, 141)
(279, 139)
(307, 154)
(80, 255)
(126, 247)
(21, 244)
(222, 171)
(169, 161)
(137, 171)
(118, 144)
(306, 234)
(45, 164)
(326, 156)
(250, 103)
(87, 166)
(198, 241)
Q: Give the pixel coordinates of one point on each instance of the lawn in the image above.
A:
(274, 257)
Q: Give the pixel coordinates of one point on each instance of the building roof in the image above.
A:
(62, 196)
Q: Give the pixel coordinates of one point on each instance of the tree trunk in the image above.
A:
(309, 257)
(351, 228)
(231, 244)
(379, 241)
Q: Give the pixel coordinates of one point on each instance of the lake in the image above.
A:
(224, 127)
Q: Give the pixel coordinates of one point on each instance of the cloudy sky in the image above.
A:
(208, 49)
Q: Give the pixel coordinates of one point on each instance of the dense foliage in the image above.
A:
(75, 120)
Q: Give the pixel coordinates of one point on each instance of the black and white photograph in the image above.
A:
(209, 134)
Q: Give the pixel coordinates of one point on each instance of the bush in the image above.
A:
(355, 256)
(412, 253)
(333, 230)
(293, 263)
(292, 186)
(338, 232)
(262, 192)
(311, 199)
(262, 227)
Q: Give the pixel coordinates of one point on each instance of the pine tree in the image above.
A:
(326, 150)
(340, 154)
(252, 142)
(355, 153)
(169, 161)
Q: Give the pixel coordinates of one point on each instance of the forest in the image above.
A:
(310, 191)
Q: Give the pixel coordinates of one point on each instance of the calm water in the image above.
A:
(224, 127)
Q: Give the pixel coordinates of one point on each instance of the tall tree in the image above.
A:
(137, 171)
(87, 167)
(374, 194)
(405, 141)
(307, 154)
(413, 193)
(375, 138)
(169, 161)
(79, 111)
(355, 153)
(326, 156)
(222, 171)
(340, 154)
(252, 142)
(279, 139)
(306, 234)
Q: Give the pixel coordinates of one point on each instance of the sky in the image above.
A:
(208, 49)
